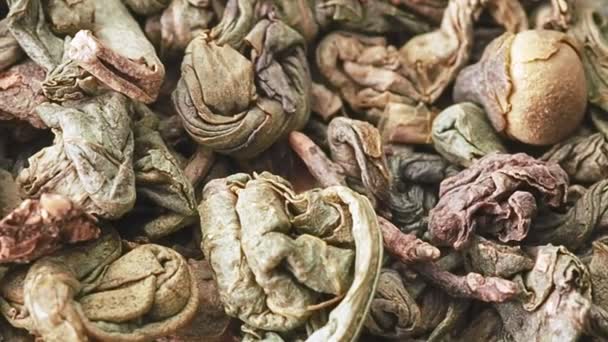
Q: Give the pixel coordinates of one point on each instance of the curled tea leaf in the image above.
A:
(10, 51)
(513, 85)
(495, 195)
(407, 124)
(39, 227)
(240, 103)
(66, 17)
(462, 134)
(20, 93)
(118, 54)
(91, 159)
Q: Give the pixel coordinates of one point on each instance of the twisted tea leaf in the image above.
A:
(430, 9)
(20, 93)
(584, 157)
(182, 21)
(496, 195)
(66, 17)
(39, 227)
(521, 85)
(462, 134)
(493, 259)
(117, 53)
(574, 227)
(159, 177)
(10, 51)
(27, 24)
(277, 288)
(357, 148)
(394, 313)
(557, 301)
(237, 117)
(407, 124)
(91, 159)
(599, 273)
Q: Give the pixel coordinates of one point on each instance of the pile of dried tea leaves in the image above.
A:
(303, 170)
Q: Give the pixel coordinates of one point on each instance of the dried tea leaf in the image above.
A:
(574, 227)
(521, 85)
(9, 193)
(159, 177)
(10, 51)
(181, 21)
(12, 334)
(66, 17)
(394, 313)
(598, 269)
(27, 24)
(496, 195)
(497, 260)
(117, 53)
(98, 294)
(91, 159)
(430, 9)
(557, 301)
(357, 148)
(239, 103)
(40, 227)
(407, 124)
(20, 93)
(272, 253)
(462, 134)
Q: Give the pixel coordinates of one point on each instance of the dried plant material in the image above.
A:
(40, 227)
(321, 167)
(497, 196)
(586, 22)
(182, 21)
(27, 24)
(407, 124)
(584, 157)
(66, 17)
(274, 253)
(99, 294)
(508, 13)
(10, 51)
(240, 104)
(324, 102)
(598, 270)
(462, 134)
(309, 17)
(556, 301)
(357, 148)
(117, 53)
(485, 326)
(147, 7)
(210, 322)
(473, 285)
(91, 161)
(574, 227)
(9, 193)
(9, 333)
(406, 247)
(497, 260)
(521, 85)
(394, 313)
(431, 9)
(159, 178)
(20, 93)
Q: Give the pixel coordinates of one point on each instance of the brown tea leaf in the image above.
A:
(39, 227)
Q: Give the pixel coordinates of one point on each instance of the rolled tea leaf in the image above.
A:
(584, 157)
(273, 253)
(91, 161)
(574, 227)
(357, 148)
(182, 21)
(117, 53)
(10, 51)
(463, 134)
(39, 227)
(521, 85)
(66, 17)
(20, 93)
(407, 124)
(496, 195)
(394, 313)
(147, 7)
(27, 24)
(556, 303)
(98, 294)
(159, 177)
(239, 103)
